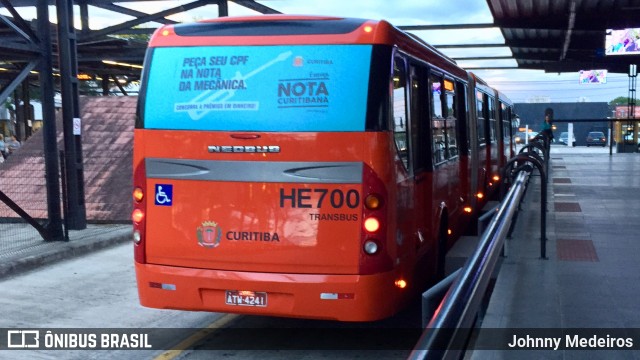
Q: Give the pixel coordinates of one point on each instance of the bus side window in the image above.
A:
(506, 126)
(492, 120)
(438, 129)
(465, 116)
(419, 119)
(480, 107)
(452, 119)
(400, 126)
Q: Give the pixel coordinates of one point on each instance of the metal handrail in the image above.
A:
(529, 160)
(454, 318)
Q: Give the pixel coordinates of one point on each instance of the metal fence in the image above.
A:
(23, 200)
(107, 134)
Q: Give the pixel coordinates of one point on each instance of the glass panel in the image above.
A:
(493, 135)
(258, 88)
(451, 125)
(419, 120)
(451, 104)
(452, 142)
(492, 130)
(400, 126)
(436, 100)
(438, 126)
(480, 113)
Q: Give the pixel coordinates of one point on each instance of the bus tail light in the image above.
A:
(373, 202)
(401, 283)
(371, 247)
(374, 255)
(137, 237)
(138, 194)
(371, 224)
(138, 214)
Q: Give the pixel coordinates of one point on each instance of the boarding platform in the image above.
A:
(590, 278)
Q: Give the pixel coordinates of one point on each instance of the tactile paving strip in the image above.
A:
(576, 250)
(567, 207)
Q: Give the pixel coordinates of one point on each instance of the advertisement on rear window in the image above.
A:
(258, 88)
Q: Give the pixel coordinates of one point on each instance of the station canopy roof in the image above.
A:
(565, 35)
(549, 35)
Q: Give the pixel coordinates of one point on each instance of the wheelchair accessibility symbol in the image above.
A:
(164, 194)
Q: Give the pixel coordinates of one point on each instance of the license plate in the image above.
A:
(245, 298)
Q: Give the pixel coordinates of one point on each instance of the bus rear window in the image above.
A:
(257, 88)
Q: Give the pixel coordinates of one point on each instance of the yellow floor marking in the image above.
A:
(197, 336)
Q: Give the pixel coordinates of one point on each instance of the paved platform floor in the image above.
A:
(590, 281)
(23, 249)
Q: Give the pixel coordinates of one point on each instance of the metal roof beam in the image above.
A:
(10, 47)
(96, 34)
(132, 57)
(490, 67)
(536, 43)
(447, 27)
(574, 66)
(23, 3)
(592, 22)
(483, 58)
(21, 27)
(251, 4)
(567, 39)
(10, 87)
(462, 46)
(130, 12)
(17, 30)
(536, 56)
(134, 31)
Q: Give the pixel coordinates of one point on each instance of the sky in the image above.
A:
(519, 85)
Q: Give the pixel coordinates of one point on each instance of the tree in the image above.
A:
(620, 100)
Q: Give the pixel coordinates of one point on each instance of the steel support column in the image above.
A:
(67, 54)
(17, 128)
(223, 8)
(26, 110)
(631, 112)
(54, 225)
(84, 16)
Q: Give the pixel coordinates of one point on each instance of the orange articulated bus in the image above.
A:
(303, 166)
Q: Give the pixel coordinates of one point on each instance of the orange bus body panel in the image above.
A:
(256, 234)
(367, 297)
(310, 258)
(284, 227)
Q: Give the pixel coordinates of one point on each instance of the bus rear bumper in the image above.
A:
(332, 297)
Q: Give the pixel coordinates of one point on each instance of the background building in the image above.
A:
(585, 117)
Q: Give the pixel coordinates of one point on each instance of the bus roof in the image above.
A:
(297, 30)
(267, 30)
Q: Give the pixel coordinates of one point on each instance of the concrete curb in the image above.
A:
(63, 251)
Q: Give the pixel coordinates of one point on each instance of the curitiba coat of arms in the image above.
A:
(209, 234)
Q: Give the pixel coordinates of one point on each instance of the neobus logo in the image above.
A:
(243, 149)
